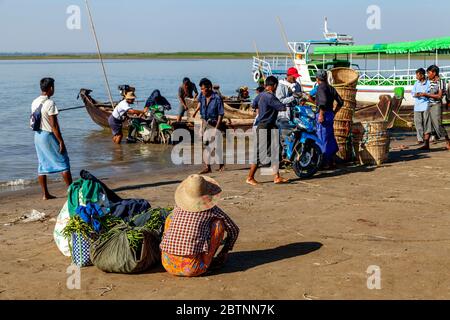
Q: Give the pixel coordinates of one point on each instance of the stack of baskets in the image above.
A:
(371, 142)
(345, 81)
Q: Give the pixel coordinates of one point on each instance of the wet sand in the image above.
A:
(312, 239)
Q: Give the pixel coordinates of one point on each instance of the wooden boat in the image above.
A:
(100, 112)
(388, 109)
(234, 109)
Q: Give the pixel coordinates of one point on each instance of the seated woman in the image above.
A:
(195, 230)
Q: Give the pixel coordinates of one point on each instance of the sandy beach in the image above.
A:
(311, 239)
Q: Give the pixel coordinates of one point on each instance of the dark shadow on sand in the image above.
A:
(411, 154)
(147, 185)
(244, 260)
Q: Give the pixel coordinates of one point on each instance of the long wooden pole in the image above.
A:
(108, 88)
(284, 36)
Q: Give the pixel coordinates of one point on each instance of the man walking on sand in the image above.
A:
(210, 105)
(50, 147)
(268, 106)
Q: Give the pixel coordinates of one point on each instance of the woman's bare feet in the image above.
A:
(48, 197)
(252, 181)
(424, 147)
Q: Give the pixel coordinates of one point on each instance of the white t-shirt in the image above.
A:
(48, 109)
(121, 109)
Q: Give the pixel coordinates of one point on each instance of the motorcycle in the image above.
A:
(152, 128)
(160, 127)
(303, 148)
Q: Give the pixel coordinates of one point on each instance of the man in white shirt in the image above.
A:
(119, 115)
(50, 146)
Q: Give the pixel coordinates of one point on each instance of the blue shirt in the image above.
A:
(213, 110)
(255, 106)
(421, 103)
(269, 105)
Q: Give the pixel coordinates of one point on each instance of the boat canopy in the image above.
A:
(440, 45)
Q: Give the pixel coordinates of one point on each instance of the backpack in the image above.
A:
(36, 119)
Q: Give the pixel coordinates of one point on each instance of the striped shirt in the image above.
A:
(435, 86)
(189, 233)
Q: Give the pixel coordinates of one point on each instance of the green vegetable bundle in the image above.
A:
(131, 247)
(77, 225)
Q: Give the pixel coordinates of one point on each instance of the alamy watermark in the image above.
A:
(74, 279)
(234, 146)
(374, 277)
(374, 19)
(73, 22)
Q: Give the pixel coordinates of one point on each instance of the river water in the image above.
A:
(90, 147)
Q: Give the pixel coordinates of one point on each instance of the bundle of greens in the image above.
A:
(131, 247)
(77, 225)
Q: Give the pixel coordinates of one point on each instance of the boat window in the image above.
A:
(300, 47)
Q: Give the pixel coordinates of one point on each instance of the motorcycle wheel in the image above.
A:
(308, 162)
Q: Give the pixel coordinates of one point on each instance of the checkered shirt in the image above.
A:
(189, 233)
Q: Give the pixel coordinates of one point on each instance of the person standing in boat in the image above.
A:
(421, 105)
(50, 147)
(186, 90)
(325, 97)
(211, 108)
(120, 114)
(435, 96)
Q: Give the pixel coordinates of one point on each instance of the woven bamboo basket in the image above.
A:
(345, 113)
(345, 77)
(345, 81)
(372, 147)
(345, 149)
(342, 128)
(374, 127)
(373, 154)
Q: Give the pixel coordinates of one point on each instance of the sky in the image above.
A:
(210, 25)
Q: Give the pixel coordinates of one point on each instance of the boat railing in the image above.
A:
(272, 65)
(394, 77)
(278, 65)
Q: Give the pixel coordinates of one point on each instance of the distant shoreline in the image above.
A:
(138, 56)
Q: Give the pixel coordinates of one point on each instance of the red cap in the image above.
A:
(293, 72)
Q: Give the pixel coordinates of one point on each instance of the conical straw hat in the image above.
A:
(197, 193)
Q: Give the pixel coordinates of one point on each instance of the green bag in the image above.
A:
(112, 252)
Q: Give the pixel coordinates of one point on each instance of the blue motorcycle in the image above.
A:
(303, 148)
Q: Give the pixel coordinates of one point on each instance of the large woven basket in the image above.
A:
(342, 128)
(344, 77)
(371, 141)
(345, 149)
(373, 154)
(345, 81)
(345, 113)
(374, 127)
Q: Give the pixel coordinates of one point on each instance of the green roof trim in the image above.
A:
(442, 45)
